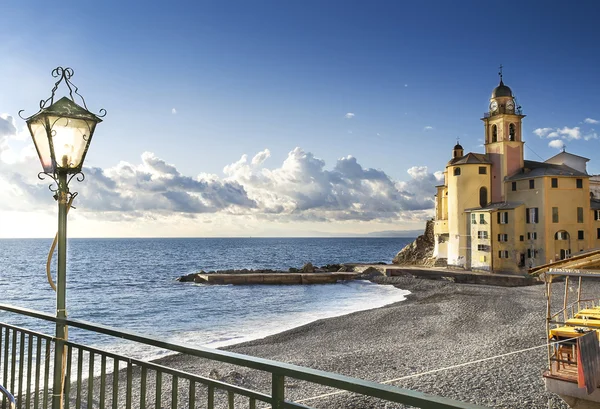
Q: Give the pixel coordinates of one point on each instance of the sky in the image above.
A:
(296, 118)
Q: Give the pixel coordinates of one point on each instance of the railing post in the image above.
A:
(61, 292)
(278, 391)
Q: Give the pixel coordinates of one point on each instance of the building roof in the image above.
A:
(595, 204)
(470, 158)
(533, 169)
(458, 146)
(496, 206)
(501, 91)
(567, 154)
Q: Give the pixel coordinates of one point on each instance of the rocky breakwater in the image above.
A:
(308, 274)
(420, 251)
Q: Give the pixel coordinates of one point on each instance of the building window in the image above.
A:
(532, 236)
(531, 215)
(531, 183)
(503, 237)
(482, 247)
(503, 253)
(521, 237)
(598, 233)
(482, 219)
(555, 215)
(511, 132)
(483, 197)
(561, 235)
(482, 234)
(473, 218)
(555, 182)
(482, 170)
(514, 186)
(494, 133)
(597, 215)
(579, 234)
(531, 253)
(502, 217)
(456, 171)
(580, 215)
(579, 183)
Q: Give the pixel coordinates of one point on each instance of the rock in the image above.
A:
(331, 268)
(187, 278)
(308, 268)
(345, 269)
(369, 274)
(420, 251)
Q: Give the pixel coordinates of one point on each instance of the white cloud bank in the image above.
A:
(567, 133)
(300, 189)
(557, 144)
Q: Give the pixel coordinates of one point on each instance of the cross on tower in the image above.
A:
(500, 73)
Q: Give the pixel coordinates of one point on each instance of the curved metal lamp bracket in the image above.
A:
(55, 187)
(64, 75)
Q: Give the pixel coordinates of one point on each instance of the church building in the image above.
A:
(498, 212)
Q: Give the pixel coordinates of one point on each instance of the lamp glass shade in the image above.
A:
(62, 134)
(38, 132)
(69, 139)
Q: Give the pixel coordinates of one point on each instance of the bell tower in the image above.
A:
(503, 138)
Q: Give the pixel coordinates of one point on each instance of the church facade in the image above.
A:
(498, 212)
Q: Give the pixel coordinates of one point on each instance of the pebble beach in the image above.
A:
(441, 324)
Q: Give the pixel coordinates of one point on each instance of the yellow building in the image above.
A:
(499, 212)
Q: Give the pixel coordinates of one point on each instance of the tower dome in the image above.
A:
(501, 91)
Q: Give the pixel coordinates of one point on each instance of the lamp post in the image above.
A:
(62, 132)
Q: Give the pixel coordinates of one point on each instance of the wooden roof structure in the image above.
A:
(587, 260)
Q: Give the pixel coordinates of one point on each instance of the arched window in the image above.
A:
(457, 171)
(511, 132)
(494, 133)
(483, 197)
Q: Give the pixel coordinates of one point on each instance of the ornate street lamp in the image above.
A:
(62, 132)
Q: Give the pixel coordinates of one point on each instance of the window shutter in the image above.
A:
(506, 217)
(498, 217)
(527, 216)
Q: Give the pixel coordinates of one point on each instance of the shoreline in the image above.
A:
(440, 324)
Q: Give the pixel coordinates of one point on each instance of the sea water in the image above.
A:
(130, 284)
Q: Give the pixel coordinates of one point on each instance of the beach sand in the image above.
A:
(440, 324)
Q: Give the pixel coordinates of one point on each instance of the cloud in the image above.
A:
(541, 132)
(349, 115)
(590, 136)
(428, 128)
(564, 133)
(174, 111)
(260, 157)
(591, 121)
(300, 189)
(557, 144)
(570, 133)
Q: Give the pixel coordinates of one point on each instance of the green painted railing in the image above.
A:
(93, 376)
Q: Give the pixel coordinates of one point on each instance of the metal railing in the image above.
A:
(95, 378)
(6, 395)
